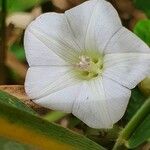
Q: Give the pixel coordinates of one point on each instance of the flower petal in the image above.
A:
(101, 103)
(38, 54)
(124, 41)
(42, 81)
(94, 23)
(128, 69)
(45, 43)
(61, 100)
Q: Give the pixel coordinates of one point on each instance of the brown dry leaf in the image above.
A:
(19, 92)
(15, 90)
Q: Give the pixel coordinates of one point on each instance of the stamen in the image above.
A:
(84, 63)
(89, 67)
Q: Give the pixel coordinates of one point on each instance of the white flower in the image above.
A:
(84, 62)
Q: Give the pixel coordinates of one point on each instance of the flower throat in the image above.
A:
(89, 65)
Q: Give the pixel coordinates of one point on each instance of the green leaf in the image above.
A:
(137, 122)
(14, 102)
(143, 5)
(136, 100)
(18, 50)
(54, 116)
(141, 134)
(142, 29)
(21, 5)
(33, 130)
(7, 144)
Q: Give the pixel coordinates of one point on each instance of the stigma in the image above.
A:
(89, 67)
(84, 63)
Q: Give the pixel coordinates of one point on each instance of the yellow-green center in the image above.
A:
(89, 65)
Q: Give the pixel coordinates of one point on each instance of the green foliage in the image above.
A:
(142, 29)
(14, 102)
(18, 50)
(27, 124)
(21, 5)
(136, 101)
(7, 144)
(137, 126)
(141, 134)
(54, 116)
(143, 5)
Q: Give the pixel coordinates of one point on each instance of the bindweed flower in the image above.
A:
(84, 62)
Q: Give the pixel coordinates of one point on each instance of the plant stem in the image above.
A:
(3, 41)
(132, 125)
(54, 116)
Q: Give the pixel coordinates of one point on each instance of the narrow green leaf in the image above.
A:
(133, 125)
(7, 144)
(32, 130)
(136, 101)
(14, 102)
(141, 134)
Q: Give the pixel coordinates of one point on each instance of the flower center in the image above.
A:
(89, 66)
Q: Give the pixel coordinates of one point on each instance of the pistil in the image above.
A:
(89, 67)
